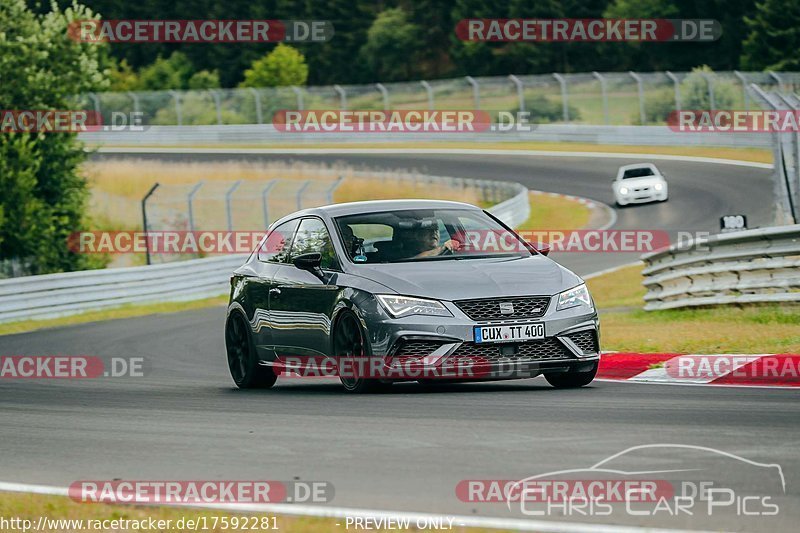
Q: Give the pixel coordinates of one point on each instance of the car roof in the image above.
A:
(376, 206)
(638, 165)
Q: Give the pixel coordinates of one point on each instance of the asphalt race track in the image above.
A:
(408, 449)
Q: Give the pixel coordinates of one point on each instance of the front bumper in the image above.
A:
(641, 198)
(444, 347)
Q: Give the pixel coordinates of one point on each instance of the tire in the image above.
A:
(242, 361)
(571, 380)
(348, 342)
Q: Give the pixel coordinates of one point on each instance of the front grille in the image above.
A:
(411, 350)
(489, 309)
(543, 350)
(586, 341)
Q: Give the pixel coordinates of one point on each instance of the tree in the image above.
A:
(390, 52)
(42, 195)
(774, 36)
(171, 73)
(282, 67)
(204, 79)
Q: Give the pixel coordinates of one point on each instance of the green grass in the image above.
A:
(555, 213)
(768, 328)
(32, 506)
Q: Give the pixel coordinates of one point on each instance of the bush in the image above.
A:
(42, 196)
(283, 66)
(544, 110)
(660, 103)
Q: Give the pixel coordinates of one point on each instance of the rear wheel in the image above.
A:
(242, 360)
(350, 352)
(570, 380)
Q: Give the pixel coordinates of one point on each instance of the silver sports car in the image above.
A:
(406, 290)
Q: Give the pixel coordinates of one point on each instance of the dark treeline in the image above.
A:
(415, 39)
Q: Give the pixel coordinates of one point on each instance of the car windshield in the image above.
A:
(425, 235)
(641, 172)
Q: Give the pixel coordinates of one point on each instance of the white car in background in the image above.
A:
(639, 183)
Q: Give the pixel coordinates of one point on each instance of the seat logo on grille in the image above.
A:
(506, 308)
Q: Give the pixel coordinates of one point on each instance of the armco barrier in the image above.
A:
(267, 135)
(53, 295)
(752, 266)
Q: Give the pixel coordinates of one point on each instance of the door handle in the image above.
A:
(275, 290)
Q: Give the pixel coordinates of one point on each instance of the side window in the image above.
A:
(313, 236)
(275, 248)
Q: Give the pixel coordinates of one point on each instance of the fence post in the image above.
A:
(642, 116)
(520, 91)
(384, 95)
(228, 203)
(793, 103)
(342, 97)
(96, 102)
(257, 98)
(710, 84)
(677, 84)
(190, 200)
(300, 192)
(299, 95)
(783, 199)
(604, 93)
(564, 96)
(178, 114)
(144, 221)
(264, 195)
(743, 79)
(215, 95)
(135, 98)
(429, 90)
(476, 91)
(332, 189)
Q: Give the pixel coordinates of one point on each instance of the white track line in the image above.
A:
(345, 512)
(447, 151)
(610, 270)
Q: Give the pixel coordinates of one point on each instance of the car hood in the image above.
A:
(473, 278)
(639, 182)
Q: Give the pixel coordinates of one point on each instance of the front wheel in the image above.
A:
(350, 352)
(242, 360)
(571, 380)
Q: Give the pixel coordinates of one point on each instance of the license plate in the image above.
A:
(509, 333)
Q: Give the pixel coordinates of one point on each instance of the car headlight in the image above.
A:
(659, 186)
(574, 297)
(400, 306)
(623, 190)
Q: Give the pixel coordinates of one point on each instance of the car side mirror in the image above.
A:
(543, 248)
(310, 261)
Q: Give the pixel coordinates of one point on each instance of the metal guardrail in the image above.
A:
(267, 135)
(752, 266)
(54, 295)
